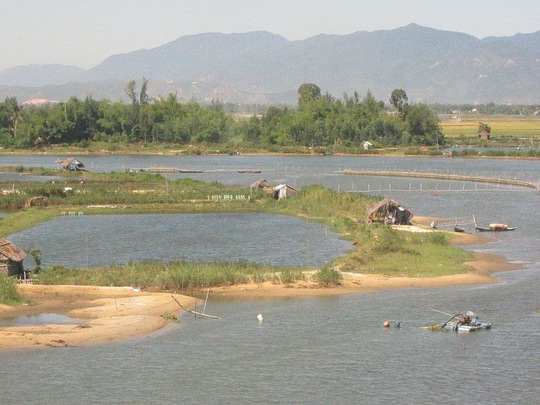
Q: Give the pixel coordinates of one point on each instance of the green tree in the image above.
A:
(423, 125)
(399, 101)
(14, 114)
(308, 92)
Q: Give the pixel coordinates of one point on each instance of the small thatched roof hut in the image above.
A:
(11, 258)
(389, 211)
(260, 184)
(72, 164)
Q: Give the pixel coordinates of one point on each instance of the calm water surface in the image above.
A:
(316, 350)
(94, 240)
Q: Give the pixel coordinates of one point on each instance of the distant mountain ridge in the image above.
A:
(259, 67)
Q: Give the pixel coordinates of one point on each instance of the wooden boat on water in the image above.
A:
(249, 171)
(495, 228)
(468, 322)
(161, 170)
(189, 171)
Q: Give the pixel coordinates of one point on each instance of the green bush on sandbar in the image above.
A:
(8, 290)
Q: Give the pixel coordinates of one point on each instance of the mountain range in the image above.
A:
(432, 66)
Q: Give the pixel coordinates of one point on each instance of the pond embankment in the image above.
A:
(442, 176)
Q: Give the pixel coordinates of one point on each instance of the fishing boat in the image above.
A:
(495, 228)
(468, 322)
(457, 327)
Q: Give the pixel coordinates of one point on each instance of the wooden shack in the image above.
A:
(11, 258)
(72, 164)
(389, 212)
(283, 191)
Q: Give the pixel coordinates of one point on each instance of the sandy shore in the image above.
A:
(111, 314)
(482, 266)
(106, 314)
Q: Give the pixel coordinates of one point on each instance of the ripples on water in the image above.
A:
(93, 240)
(316, 350)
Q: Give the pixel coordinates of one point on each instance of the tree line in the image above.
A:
(319, 120)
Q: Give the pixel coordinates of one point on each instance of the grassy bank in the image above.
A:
(375, 249)
(17, 221)
(173, 276)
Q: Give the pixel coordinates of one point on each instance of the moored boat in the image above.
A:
(249, 171)
(495, 228)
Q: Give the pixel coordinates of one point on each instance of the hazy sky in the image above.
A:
(84, 32)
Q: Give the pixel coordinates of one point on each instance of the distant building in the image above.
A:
(283, 191)
(11, 258)
(72, 164)
(260, 184)
(39, 101)
(484, 135)
(389, 212)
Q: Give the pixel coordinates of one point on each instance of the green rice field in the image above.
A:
(522, 130)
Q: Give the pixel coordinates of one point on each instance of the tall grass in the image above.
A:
(326, 205)
(329, 277)
(172, 276)
(8, 291)
(399, 253)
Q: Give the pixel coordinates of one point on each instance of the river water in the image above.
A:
(310, 350)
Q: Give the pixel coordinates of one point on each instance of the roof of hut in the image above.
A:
(385, 206)
(68, 161)
(262, 183)
(10, 251)
(280, 186)
(382, 206)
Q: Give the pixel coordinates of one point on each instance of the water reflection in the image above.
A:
(41, 319)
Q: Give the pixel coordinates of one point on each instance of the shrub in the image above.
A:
(328, 277)
(8, 290)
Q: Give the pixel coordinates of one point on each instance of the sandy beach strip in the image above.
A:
(107, 314)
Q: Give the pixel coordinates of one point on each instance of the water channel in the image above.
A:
(313, 350)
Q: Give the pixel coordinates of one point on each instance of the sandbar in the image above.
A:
(108, 314)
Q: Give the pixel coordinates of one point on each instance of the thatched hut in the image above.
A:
(37, 201)
(389, 212)
(260, 185)
(72, 164)
(11, 258)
